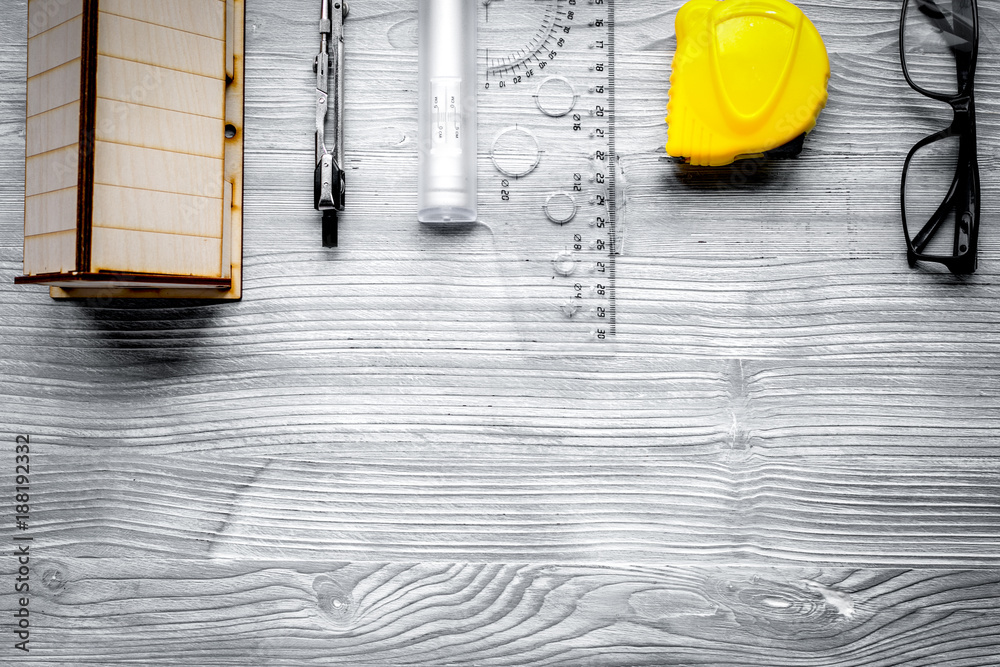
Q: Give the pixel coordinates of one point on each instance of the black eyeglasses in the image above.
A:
(938, 45)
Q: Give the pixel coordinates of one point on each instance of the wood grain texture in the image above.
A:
(226, 259)
(324, 388)
(152, 44)
(404, 452)
(55, 47)
(201, 17)
(173, 254)
(356, 501)
(149, 127)
(50, 212)
(54, 89)
(52, 171)
(233, 41)
(159, 87)
(53, 129)
(235, 149)
(13, 106)
(163, 212)
(53, 252)
(52, 136)
(287, 613)
(44, 15)
(157, 170)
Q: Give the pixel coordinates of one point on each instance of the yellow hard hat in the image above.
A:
(749, 76)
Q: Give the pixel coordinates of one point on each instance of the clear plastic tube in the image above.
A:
(446, 182)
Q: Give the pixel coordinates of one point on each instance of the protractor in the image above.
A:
(547, 103)
(522, 33)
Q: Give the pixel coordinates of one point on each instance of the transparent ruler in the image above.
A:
(552, 189)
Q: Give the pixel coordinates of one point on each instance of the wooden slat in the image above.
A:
(226, 260)
(54, 88)
(149, 252)
(286, 612)
(235, 150)
(50, 253)
(156, 45)
(202, 17)
(149, 127)
(161, 171)
(53, 129)
(231, 38)
(150, 211)
(50, 212)
(137, 83)
(47, 14)
(55, 47)
(542, 505)
(55, 170)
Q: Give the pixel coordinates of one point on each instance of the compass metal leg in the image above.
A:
(329, 180)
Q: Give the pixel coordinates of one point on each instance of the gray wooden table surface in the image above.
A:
(404, 452)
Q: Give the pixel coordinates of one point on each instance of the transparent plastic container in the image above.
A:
(446, 182)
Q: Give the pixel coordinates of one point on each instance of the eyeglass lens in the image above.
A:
(937, 38)
(928, 179)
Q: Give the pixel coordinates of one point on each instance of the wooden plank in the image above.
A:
(226, 260)
(54, 88)
(149, 127)
(445, 613)
(137, 83)
(50, 212)
(157, 45)
(50, 253)
(162, 212)
(149, 252)
(539, 505)
(160, 171)
(648, 403)
(232, 27)
(55, 170)
(201, 17)
(47, 14)
(53, 129)
(56, 47)
(232, 261)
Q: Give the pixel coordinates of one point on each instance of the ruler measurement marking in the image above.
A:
(612, 177)
(520, 63)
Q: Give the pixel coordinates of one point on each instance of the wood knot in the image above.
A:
(334, 600)
(53, 577)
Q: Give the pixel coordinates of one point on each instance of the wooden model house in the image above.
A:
(134, 150)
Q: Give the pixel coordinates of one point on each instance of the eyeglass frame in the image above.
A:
(966, 177)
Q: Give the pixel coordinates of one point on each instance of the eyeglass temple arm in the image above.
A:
(930, 227)
(965, 208)
(962, 198)
(928, 231)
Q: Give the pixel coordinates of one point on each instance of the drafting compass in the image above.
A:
(330, 183)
